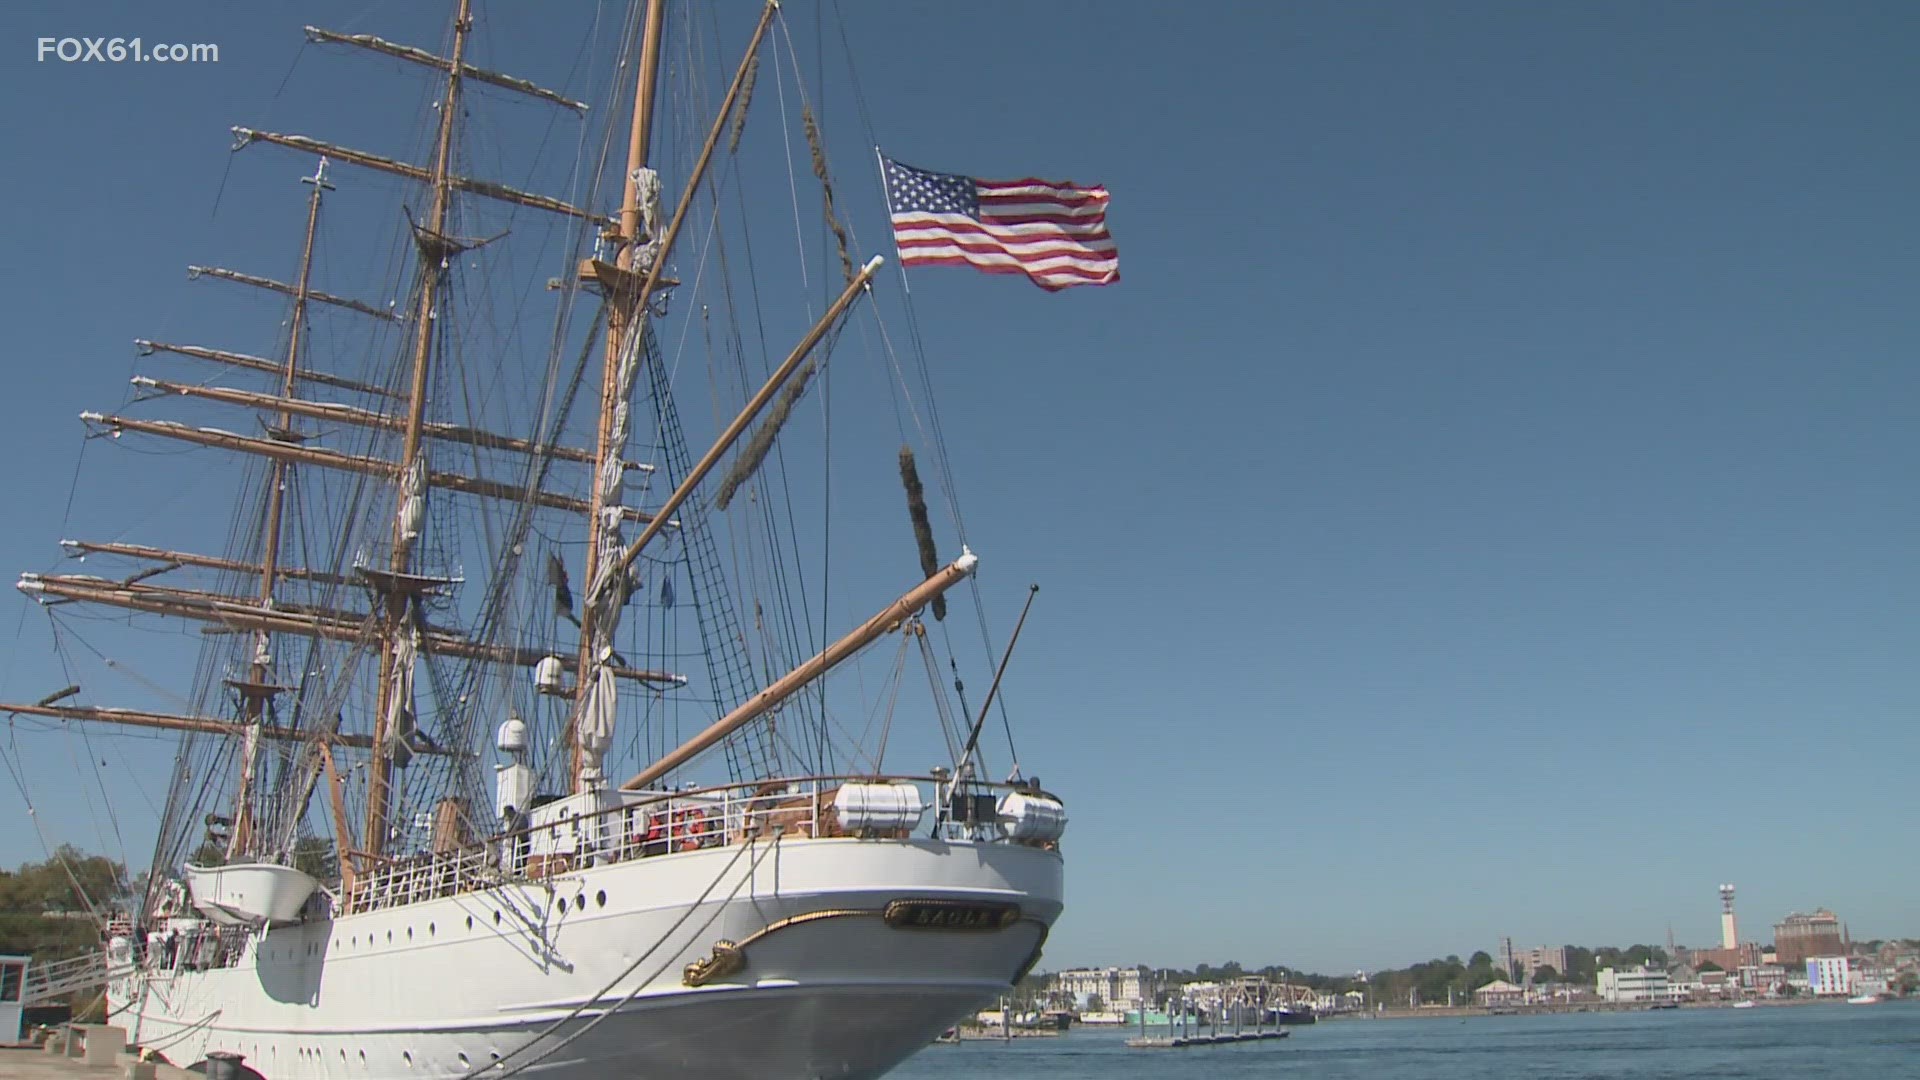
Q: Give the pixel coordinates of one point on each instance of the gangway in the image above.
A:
(52, 981)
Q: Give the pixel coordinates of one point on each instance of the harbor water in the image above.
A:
(1810, 1042)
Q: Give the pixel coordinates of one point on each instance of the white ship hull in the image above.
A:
(444, 987)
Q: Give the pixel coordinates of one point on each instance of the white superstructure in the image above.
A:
(719, 956)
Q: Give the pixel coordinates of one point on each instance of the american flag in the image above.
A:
(1053, 232)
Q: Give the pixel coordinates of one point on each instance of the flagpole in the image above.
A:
(880, 162)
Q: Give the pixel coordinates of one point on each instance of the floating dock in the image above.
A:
(1180, 1042)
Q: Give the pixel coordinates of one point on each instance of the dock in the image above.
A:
(1181, 1042)
(34, 1063)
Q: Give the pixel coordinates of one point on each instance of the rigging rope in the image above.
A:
(642, 984)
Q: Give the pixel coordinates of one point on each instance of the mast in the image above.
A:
(629, 285)
(621, 302)
(257, 692)
(397, 655)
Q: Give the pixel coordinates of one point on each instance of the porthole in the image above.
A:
(580, 902)
(389, 935)
(429, 928)
(363, 1057)
(407, 1056)
(409, 933)
(562, 904)
(496, 918)
(600, 898)
(469, 922)
(464, 1063)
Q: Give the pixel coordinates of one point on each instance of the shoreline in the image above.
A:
(1558, 1009)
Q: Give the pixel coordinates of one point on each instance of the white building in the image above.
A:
(1118, 988)
(1634, 984)
(1829, 976)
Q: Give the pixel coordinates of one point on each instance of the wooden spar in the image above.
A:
(740, 422)
(433, 268)
(620, 309)
(771, 697)
(257, 363)
(338, 798)
(281, 287)
(260, 670)
(168, 722)
(240, 613)
(420, 56)
(187, 558)
(237, 612)
(973, 737)
(348, 414)
(485, 188)
(334, 459)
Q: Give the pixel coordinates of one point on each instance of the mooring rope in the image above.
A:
(488, 1069)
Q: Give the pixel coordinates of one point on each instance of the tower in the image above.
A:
(1729, 929)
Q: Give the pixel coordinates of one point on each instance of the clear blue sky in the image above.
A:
(1484, 507)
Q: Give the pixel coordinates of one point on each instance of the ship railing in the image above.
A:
(395, 883)
(654, 823)
(46, 982)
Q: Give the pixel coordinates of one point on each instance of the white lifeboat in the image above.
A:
(249, 894)
(878, 807)
(1036, 818)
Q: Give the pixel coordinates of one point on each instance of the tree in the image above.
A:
(46, 908)
(313, 856)
(1096, 1003)
(1480, 959)
(1711, 966)
(1908, 984)
(1580, 965)
(1545, 974)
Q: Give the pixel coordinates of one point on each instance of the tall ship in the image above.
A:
(510, 744)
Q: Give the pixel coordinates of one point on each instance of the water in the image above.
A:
(1809, 1042)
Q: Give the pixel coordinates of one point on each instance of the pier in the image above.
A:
(1178, 1042)
(37, 1063)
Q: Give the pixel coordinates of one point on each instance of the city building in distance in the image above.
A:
(1798, 937)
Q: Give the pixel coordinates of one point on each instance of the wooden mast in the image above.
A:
(435, 252)
(630, 288)
(621, 304)
(257, 692)
(395, 625)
